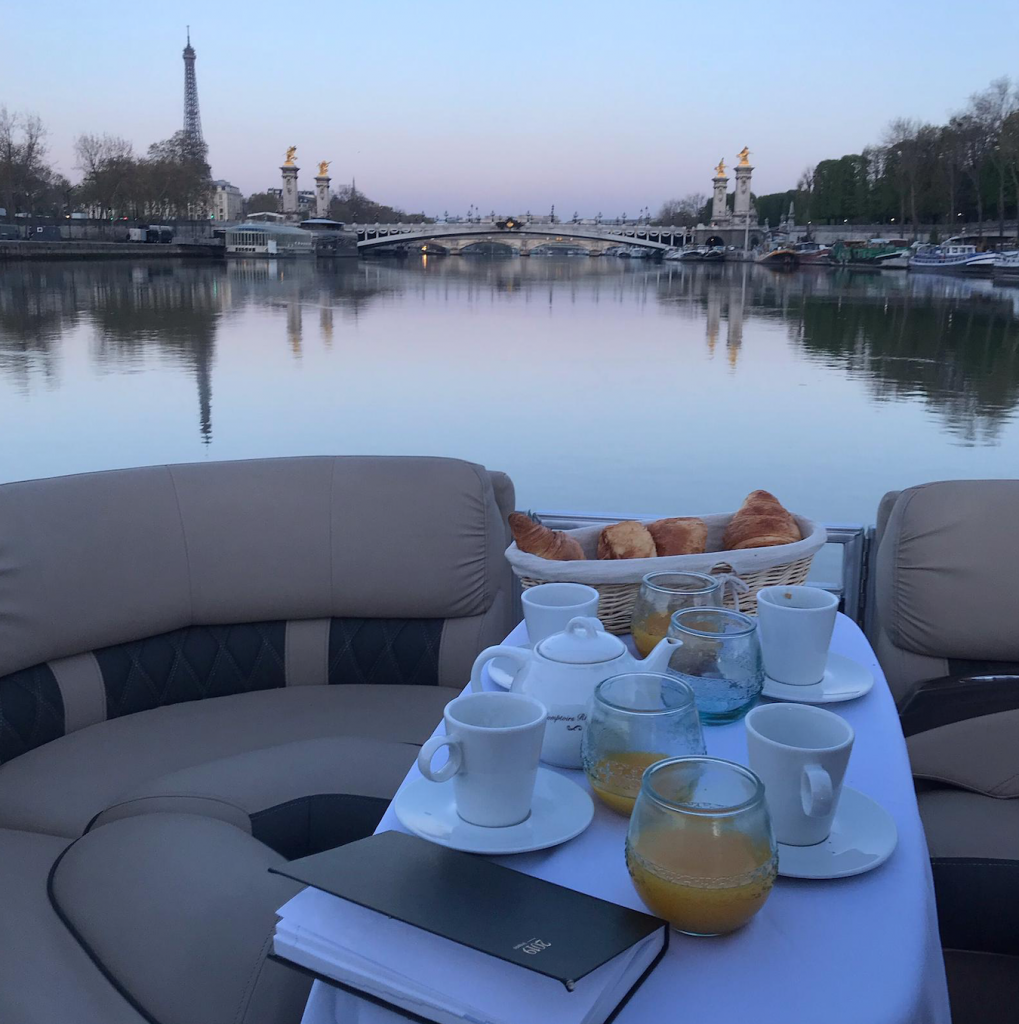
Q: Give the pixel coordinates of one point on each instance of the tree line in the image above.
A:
(346, 204)
(943, 174)
(949, 174)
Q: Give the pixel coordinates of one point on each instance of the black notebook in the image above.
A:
(443, 935)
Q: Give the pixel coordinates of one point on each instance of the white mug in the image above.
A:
(800, 753)
(549, 607)
(494, 742)
(795, 626)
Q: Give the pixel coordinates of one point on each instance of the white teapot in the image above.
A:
(562, 671)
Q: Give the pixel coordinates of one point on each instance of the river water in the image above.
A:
(597, 384)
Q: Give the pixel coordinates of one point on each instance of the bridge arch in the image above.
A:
(378, 236)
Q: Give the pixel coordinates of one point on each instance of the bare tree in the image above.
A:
(907, 148)
(109, 171)
(23, 174)
(990, 109)
(685, 211)
(973, 148)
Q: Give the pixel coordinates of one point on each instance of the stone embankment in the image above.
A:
(17, 250)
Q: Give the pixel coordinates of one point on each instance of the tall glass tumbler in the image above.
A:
(636, 719)
(720, 658)
(700, 848)
(663, 593)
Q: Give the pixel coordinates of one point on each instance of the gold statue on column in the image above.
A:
(291, 153)
(323, 168)
(720, 169)
(744, 157)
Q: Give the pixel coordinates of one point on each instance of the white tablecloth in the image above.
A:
(860, 950)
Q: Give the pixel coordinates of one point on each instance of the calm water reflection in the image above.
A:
(598, 384)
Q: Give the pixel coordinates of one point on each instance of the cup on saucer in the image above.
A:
(549, 607)
(800, 752)
(795, 625)
(494, 742)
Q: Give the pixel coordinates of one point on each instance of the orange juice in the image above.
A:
(616, 777)
(648, 633)
(699, 881)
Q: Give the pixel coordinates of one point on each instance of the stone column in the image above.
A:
(742, 205)
(289, 172)
(322, 195)
(719, 210)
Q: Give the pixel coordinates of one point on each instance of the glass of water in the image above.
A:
(636, 719)
(720, 658)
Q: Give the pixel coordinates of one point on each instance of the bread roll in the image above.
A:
(537, 539)
(628, 539)
(685, 535)
(760, 522)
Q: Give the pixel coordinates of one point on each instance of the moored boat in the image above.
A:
(952, 257)
(1006, 265)
(785, 257)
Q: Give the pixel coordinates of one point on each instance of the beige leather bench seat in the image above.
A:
(206, 670)
(60, 787)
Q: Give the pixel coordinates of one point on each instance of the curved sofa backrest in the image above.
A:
(190, 554)
(944, 580)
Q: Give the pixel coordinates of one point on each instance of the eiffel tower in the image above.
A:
(192, 119)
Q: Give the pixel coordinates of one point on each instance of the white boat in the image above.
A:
(952, 256)
(673, 254)
(1006, 265)
(637, 252)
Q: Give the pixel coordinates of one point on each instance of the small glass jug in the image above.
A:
(636, 719)
(720, 658)
(700, 849)
(663, 593)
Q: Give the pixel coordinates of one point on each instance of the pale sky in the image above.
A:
(596, 107)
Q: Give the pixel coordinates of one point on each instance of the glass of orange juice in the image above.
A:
(661, 594)
(636, 719)
(700, 849)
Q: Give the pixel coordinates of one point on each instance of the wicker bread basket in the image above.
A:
(618, 580)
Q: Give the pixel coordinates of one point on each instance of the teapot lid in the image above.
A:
(582, 642)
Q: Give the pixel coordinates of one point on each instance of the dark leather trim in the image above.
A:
(938, 702)
(86, 948)
(978, 903)
(31, 711)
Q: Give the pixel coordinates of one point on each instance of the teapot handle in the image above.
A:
(518, 654)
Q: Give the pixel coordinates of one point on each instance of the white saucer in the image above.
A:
(863, 835)
(502, 671)
(560, 810)
(844, 679)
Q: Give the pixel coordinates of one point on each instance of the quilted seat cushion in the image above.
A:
(177, 910)
(60, 787)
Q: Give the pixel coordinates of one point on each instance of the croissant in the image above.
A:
(537, 539)
(628, 539)
(760, 522)
(685, 535)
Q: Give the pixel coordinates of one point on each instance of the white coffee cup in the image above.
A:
(800, 753)
(549, 607)
(494, 742)
(795, 626)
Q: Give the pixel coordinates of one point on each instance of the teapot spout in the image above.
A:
(658, 659)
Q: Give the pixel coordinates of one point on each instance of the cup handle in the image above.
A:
(816, 793)
(430, 749)
(517, 654)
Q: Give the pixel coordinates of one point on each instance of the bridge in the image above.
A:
(521, 235)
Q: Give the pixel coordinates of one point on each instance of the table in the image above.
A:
(862, 950)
